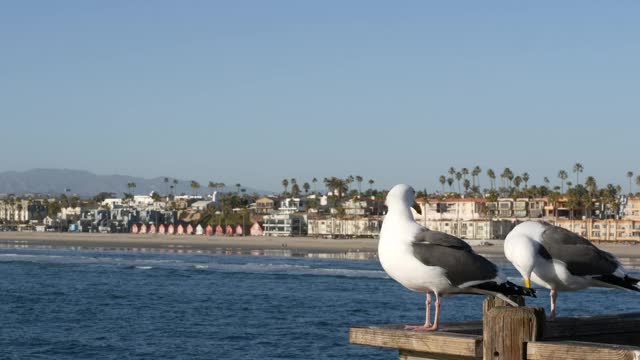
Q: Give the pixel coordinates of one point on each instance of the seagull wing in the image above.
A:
(581, 257)
(455, 256)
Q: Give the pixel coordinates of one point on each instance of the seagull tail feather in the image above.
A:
(506, 288)
(627, 282)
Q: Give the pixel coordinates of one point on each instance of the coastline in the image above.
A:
(295, 245)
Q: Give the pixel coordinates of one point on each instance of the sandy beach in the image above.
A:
(249, 243)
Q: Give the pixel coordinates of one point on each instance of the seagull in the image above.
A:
(560, 260)
(428, 261)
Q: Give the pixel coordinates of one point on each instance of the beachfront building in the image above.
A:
(22, 210)
(202, 205)
(477, 229)
(263, 205)
(603, 230)
(347, 227)
(631, 209)
(450, 209)
(285, 224)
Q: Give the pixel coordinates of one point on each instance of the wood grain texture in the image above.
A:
(572, 350)
(492, 302)
(507, 329)
(462, 346)
(593, 328)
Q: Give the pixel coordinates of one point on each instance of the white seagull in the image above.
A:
(560, 260)
(428, 261)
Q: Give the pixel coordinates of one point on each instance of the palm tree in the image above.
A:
(629, 175)
(638, 181)
(371, 182)
(569, 184)
(492, 177)
(285, 185)
(314, 181)
(590, 184)
(465, 172)
(175, 185)
(238, 186)
(458, 178)
(166, 181)
(194, 186)
(306, 187)
(476, 175)
(359, 180)
(442, 180)
(525, 178)
(546, 181)
(295, 190)
(211, 185)
(450, 182)
(349, 181)
(517, 181)
(467, 184)
(563, 176)
(578, 168)
(131, 186)
(452, 171)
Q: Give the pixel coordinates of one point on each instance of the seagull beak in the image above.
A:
(527, 283)
(417, 207)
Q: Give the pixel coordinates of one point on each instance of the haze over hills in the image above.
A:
(85, 183)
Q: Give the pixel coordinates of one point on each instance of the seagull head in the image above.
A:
(402, 197)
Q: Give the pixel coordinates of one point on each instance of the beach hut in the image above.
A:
(161, 229)
(242, 230)
(152, 229)
(171, 229)
(199, 230)
(208, 230)
(219, 230)
(180, 230)
(189, 229)
(229, 230)
(143, 229)
(134, 228)
(256, 230)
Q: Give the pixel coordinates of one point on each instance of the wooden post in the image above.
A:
(506, 330)
(493, 302)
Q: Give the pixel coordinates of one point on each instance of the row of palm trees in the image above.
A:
(512, 182)
(338, 186)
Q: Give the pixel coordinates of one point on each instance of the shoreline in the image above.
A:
(300, 245)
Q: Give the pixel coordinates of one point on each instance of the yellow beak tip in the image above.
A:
(527, 283)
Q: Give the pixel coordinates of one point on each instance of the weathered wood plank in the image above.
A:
(412, 355)
(600, 328)
(506, 330)
(573, 350)
(491, 302)
(443, 343)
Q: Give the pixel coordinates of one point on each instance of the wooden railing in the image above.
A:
(508, 333)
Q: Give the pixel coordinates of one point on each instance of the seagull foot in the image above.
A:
(421, 328)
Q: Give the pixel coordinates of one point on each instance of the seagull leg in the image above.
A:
(554, 296)
(427, 322)
(427, 326)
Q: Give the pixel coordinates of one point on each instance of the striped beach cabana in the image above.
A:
(161, 229)
(199, 230)
(143, 229)
(152, 229)
(228, 230)
(189, 229)
(256, 230)
(180, 230)
(219, 230)
(208, 230)
(134, 228)
(171, 229)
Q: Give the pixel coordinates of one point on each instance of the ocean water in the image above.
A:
(84, 304)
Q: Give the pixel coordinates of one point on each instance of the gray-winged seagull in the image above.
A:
(560, 260)
(428, 261)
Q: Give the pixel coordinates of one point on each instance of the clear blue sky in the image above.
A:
(255, 91)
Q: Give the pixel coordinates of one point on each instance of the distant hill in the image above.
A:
(85, 183)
